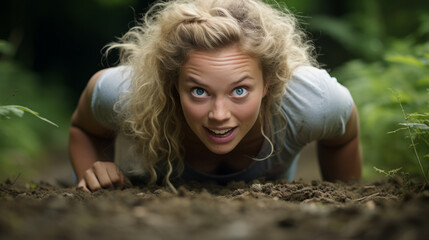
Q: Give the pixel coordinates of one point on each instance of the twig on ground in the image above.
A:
(363, 198)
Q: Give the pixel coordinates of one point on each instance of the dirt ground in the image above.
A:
(388, 209)
(49, 207)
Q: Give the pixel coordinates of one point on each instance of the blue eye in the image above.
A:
(240, 92)
(198, 92)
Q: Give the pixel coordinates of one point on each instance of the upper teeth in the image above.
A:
(220, 131)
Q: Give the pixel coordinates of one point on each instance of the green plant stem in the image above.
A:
(412, 141)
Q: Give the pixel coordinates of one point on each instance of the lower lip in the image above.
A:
(218, 139)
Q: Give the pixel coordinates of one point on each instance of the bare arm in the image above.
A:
(341, 158)
(88, 141)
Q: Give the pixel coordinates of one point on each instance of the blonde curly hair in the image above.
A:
(159, 45)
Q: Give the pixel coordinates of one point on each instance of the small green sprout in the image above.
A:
(421, 127)
(30, 186)
(390, 173)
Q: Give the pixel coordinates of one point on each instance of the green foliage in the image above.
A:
(390, 173)
(30, 186)
(25, 143)
(420, 129)
(360, 32)
(420, 125)
(384, 62)
(410, 60)
(407, 72)
(6, 48)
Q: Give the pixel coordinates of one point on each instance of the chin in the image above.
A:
(220, 150)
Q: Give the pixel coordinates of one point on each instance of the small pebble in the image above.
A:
(256, 187)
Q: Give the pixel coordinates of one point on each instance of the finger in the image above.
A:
(82, 186)
(115, 175)
(91, 180)
(124, 181)
(102, 175)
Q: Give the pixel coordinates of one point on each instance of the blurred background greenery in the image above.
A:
(49, 49)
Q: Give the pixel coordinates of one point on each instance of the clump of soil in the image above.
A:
(259, 210)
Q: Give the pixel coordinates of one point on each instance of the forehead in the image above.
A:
(226, 58)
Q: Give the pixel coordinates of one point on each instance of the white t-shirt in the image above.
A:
(315, 105)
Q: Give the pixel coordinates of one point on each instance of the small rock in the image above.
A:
(68, 195)
(315, 182)
(256, 187)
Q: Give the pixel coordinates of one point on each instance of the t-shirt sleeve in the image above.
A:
(107, 91)
(316, 107)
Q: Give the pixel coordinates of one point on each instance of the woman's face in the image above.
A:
(221, 93)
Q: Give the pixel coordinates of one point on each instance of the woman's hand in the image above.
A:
(103, 175)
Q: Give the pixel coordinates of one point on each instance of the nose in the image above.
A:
(219, 110)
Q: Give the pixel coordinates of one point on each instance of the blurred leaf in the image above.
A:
(17, 110)
(416, 125)
(410, 60)
(424, 81)
(338, 29)
(6, 48)
(419, 116)
(6, 111)
(424, 27)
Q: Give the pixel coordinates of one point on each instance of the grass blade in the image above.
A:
(18, 110)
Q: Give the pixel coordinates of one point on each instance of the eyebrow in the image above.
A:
(191, 79)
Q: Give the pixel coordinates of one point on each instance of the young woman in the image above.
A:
(212, 90)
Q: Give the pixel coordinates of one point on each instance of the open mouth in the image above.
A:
(220, 133)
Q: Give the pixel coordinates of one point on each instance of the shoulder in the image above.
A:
(312, 88)
(111, 84)
(313, 80)
(114, 78)
(316, 105)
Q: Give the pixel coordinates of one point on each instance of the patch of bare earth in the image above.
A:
(259, 210)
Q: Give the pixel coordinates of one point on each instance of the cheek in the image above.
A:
(249, 112)
(192, 111)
